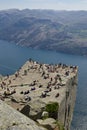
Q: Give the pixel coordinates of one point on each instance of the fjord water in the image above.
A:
(12, 57)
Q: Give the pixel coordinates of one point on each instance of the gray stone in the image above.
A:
(49, 122)
(10, 119)
(36, 109)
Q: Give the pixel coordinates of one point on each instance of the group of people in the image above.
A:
(46, 71)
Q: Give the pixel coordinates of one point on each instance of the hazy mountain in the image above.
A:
(64, 31)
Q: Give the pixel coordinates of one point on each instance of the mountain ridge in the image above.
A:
(62, 31)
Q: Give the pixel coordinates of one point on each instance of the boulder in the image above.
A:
(10, 119)
(49, 123)
(36, 109)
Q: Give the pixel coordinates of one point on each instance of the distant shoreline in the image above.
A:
(62, 31)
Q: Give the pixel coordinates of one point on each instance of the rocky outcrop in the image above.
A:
(10, 119)
(50, 123)
(40, 91)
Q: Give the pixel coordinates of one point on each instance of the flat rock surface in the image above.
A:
(33, 79)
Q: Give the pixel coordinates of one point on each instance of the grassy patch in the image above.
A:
(52, 109)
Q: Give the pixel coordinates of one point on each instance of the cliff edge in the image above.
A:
(46, 93)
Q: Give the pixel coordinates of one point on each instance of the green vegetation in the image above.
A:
(52, 109)
(60, 126)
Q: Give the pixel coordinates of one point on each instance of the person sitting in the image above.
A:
(14, 91)
(33, 88)
(43, 95)
(57, 95)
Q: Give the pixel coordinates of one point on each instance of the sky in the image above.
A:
(44, 4)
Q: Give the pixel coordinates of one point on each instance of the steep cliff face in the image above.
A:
(66, 108)
(45, 93)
